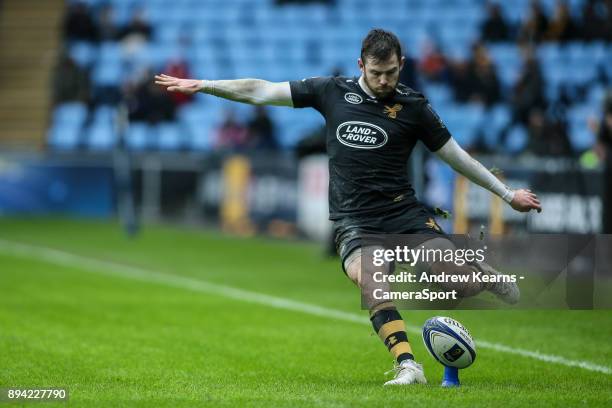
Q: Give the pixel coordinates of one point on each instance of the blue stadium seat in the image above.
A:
(464, 121)
(457, 36)
(581, 137)
(200, 136)
(104, 116)
(110, 52)
(548, 6)
(504, 54)
(598, 52)
(579, 114)
(595, 96)
(472, 14)
(508, 75)
(581, 72)
(577, 52)
(122, 12)
(107, 74)
(169, 34)
(70, 113)
(170, 137)
(139, 136)
(516, 139)
(555, 74)
(311, 15)
(437, 94)
(550, 54)
(459, 51)
(100, 137)
(195, 119)
(294, 124)
(64, 136)
(497, 119)
(83, 53)
(515, 11)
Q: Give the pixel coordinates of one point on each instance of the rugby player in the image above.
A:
(372, 124)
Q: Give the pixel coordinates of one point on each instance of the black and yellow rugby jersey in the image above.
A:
(369, 141)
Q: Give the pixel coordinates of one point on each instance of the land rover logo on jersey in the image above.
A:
(353, 98)
(361, 135)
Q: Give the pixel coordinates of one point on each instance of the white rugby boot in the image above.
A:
(407, 372)
(508, 292)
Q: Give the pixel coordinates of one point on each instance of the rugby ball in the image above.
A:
(449, 342)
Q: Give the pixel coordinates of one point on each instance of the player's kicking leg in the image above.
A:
(389, 326)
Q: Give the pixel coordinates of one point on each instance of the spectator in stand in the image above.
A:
(70, 82)
(606, 10)
(148, 102)
(433, 66)
(603, 149)
(486, 83)
(597, 20)
(260, 130)
(547, 137)
(495, 28)
(561, 27)
(137, 29)
(136, 34)
(462, 81)
(79, 25)
(534, 27)
(528, 92)
(231, 135)
(107, 29)
(476, 80)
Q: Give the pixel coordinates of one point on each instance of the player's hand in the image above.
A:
(186, 86)
(524, 201)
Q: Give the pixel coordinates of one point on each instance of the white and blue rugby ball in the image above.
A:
(449, 342)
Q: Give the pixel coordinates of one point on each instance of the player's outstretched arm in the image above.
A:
(251, 91)
(522, 200)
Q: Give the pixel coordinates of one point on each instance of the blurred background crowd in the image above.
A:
(511, 77)
(523, 84)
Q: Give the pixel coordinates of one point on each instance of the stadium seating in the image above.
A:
(100, 136)
(138, 136)
(223, 39)
(170, 137)
(64, 136)
(516, 139)
(67, 123)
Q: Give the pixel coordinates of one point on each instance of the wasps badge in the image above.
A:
(391, 111)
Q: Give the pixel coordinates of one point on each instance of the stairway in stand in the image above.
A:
(30, 34)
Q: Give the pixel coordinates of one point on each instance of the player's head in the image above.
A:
(381, 61)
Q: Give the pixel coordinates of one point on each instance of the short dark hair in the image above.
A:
(380, 45)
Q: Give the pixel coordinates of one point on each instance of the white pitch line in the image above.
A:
(109, 268)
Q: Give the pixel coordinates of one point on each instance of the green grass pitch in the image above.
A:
(118, 341)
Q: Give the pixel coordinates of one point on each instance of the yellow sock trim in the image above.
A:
(401, 348)
(388, 329)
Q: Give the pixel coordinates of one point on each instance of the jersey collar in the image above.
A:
(364, 87)
(366, 90)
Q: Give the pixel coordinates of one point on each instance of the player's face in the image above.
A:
(381, 76)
